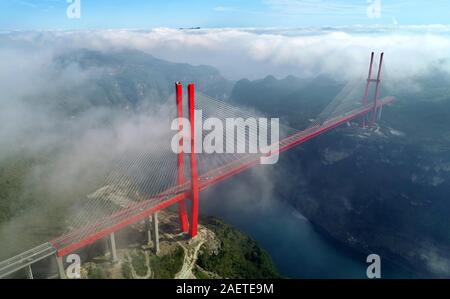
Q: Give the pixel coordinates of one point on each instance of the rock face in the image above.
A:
(212, 254)
(376, 195)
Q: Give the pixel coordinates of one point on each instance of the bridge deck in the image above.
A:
(26, 259)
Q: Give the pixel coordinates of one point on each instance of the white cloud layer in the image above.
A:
(254, 53)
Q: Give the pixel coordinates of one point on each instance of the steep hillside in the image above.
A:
(130, 80)
(383, 190)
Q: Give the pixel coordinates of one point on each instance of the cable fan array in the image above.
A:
(144, 177)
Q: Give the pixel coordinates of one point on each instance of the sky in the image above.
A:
(146, 14)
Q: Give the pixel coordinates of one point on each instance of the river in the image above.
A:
(296, 247)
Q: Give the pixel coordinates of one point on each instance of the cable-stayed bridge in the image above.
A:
(153, 178)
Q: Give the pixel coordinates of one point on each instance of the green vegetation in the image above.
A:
(126, 271)
(13, 175)
(200, 274)
(165, 267)
(95, 271)
(139, 263)
(239, 255)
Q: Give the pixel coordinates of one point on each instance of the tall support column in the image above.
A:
(155, 233)
(194, 171)
(380, 111)
(366, 93)
(148, 229)
(29, 272)
(377, 91)
(112, 247)
(180, 158)
(60, 264)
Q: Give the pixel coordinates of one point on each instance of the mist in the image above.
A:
(64, 154)
(72, 150)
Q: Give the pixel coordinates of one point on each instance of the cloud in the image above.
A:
(315, 7)
(341, 52)
(26, 3)
(57, 157)
(435, 260)
(331, 7)
(27, 68)
(224, 8)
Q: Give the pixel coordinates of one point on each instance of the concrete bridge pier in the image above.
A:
(148, 230)
(29, 272)
(155, 232)
(112, 247)
(61, 271)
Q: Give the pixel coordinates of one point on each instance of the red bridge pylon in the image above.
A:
(377, 90)
(194, 170)
(180, 158)
(192, 225)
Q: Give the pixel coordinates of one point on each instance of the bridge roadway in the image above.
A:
(26, 259)
(78, 239)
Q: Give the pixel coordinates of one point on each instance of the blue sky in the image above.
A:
(144, 14)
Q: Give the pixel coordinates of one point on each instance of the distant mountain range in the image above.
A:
(130, 79)
(291, 99)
